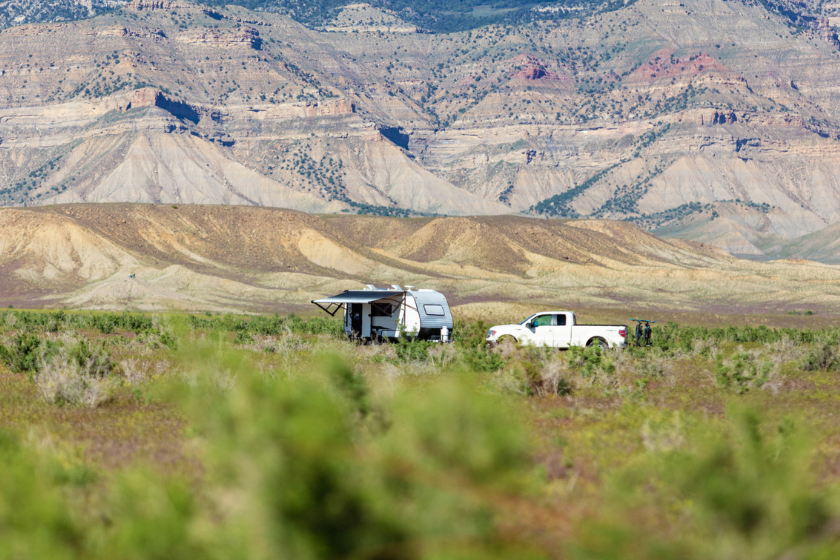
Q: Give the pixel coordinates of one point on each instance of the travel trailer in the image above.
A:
(375, 314)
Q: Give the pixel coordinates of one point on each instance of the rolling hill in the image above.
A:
(212, 257)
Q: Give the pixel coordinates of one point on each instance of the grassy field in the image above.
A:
(222, 436)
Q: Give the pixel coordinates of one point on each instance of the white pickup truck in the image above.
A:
(559, 329)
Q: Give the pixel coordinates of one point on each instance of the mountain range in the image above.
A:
(708, 120)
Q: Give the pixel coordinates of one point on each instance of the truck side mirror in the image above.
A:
(529, 325)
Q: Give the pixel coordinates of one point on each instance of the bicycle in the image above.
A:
(643, 331)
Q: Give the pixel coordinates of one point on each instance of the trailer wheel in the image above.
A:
(598, 342)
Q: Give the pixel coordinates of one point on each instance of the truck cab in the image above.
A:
(550, 328)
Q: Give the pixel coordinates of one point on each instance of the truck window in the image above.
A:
(434, 310)
(542, 321)
(561, 320)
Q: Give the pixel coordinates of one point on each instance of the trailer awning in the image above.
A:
(358, 296)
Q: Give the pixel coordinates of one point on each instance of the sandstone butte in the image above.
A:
(707, 120)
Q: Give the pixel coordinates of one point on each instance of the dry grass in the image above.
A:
(65, 384)
(75, 378)
(122, 433)
(138, 371)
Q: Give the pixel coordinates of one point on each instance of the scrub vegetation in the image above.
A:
(224, 436)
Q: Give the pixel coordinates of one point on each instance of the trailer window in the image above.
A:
(434, 310)
(382, 309)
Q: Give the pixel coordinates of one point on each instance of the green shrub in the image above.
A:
(822, 357)
(168, 339)
(456, 432)
(275, 325)
(470, 339)
(243, 337)
(469, 334)
(537, 381)
(60, 321)
(534, 381)
(410, 349)
(673, 335)
(91, 357)
(741, 372)
(23, 354)
(588, 359)
(479, 359)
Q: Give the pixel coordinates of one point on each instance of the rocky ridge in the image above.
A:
(19, 12)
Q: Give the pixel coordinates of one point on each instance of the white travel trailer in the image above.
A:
(374, 314)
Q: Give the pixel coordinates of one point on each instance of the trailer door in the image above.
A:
(355, 312)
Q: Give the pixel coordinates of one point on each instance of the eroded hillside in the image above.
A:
(658, 113)
(237, 257)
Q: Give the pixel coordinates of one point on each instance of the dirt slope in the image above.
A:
(823, 246)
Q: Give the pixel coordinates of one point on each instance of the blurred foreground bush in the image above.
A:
(731, 491)
(36, 521)
(322, 478)
(309, 466)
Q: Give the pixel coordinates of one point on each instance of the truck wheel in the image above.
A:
(502, 339)
(598, 342)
